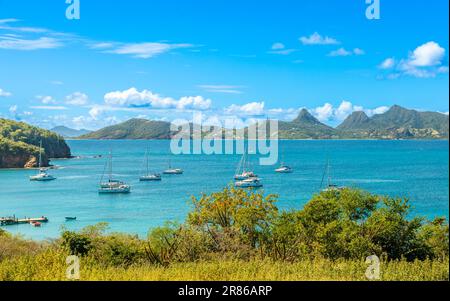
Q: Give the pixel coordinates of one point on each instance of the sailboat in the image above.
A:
(112, 186)
(149, 177)
(42, 175)
(330, 186)
(173, 171)
(243, 171)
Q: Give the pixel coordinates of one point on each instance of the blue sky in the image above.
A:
(162, 59)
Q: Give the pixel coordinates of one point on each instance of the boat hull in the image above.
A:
(150, 179)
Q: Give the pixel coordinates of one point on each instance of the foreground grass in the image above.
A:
(50, 266)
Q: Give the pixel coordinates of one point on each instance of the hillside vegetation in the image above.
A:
(19, 145)
(241, 235)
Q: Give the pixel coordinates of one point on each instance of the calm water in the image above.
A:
(416, 169)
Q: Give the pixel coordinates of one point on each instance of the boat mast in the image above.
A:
(329, 172)
(110, 165)
(40, 154)
(146, 156)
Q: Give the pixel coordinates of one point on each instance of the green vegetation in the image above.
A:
(397, 123)
(19, 145)
(133, 129)
(241, 235)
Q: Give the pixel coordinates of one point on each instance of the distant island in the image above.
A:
(19, 145)
(67, 132)
(396, 123)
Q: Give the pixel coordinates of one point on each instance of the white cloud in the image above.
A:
(50, 108)
(340, 52)
(359, 51)
(133, 98)
(317, 39)
(278, 46)
(249, 109)
(144, 50)
(46, 99)
(77, 99)
(424, 62)
(29, 44)
(324, 113)
(388, 63)
(376, 111)
(428, 54)
(221, 89)
(4, 93)
(329, 114)
(343, 52)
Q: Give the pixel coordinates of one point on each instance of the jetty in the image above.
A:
(9, 221)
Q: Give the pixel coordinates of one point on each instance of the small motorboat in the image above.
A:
(249, 183)
(173, 171)
(71, 218)
(36, 224)
(284, 169)
(149, 178)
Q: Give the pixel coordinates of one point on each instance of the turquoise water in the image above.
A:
(415, 169)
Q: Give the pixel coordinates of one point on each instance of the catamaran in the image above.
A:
(42, 175)
(173, 171)
(249, 183)
(148, 176)
(112, 185)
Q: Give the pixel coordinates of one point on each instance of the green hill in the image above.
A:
(397, 123)
(68, 132)
(19, 145)
(305, 126)
(133, 129)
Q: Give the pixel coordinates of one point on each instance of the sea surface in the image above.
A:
(418, 170)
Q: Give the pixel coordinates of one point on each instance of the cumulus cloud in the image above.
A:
(423, 62)
(133, 98)
(388, 63)
(428, 54)
(317, 39)
(4, 93)
(249, 109)
(46, 99)
(330, 114)
(77, 99)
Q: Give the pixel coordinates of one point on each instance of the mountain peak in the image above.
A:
(355, 120)
(305, 117)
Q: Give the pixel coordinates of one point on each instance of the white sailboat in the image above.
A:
(148, 177)
(43, 175)
(173, 171)
(243, 171)
(330, 186)
(249, 183)
(112, 185)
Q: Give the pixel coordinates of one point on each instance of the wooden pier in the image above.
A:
(9, 221)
